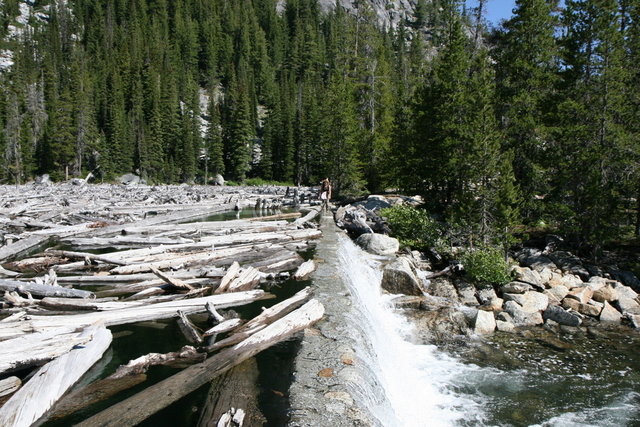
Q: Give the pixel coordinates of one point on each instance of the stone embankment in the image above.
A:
(550, 286)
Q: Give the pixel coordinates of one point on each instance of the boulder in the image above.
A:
(527, 275)
(569, 264)
(589, 310)
(398, 277)
(442, 324)
(626, 278)
(545, 275)
(597, 282)
(624, 291)
(561, 316)
(557, 293)
(485, 323)
(374, 203)
(534, 259)
(503, 326)
(627, 305)
(378, 244)
(486, 294)
(515, 288)
(467, 293)
(606, 293)
(494, 304)
(635, 320)
(610, 314)
(521, 317)
(571, 304)
(43, 179)
(530, 302)
(442, 287)
(218, 180)
(582, 294)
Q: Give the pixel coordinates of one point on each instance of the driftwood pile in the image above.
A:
(107, 255)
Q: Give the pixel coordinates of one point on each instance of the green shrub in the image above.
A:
(412, 227)
(257, 182)
(486, 266)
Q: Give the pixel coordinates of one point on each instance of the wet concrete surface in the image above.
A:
(327, 373)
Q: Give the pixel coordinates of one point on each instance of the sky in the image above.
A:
(497, 10)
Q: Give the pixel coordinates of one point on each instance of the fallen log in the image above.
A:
(43, 290)
(175, 282)
(187, 355)
(188, 329)
(83, 256)
(305, 270)
(163, 310)
(136, 408)
(16, 249)
(51, 381)
(9, 385)
(223, 327)
(314, 212)
(248, 279)
(95, 392)
(38, 348)
(231, 274)
(263, 319)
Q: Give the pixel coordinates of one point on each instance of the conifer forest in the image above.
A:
(535, 122)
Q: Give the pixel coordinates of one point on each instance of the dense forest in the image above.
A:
(536, 122)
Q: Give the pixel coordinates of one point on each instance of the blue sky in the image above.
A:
(496, 9)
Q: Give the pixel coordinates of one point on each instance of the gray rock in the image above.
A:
(569, 264)
(610, 314)
(398, 277)
(494, 304)
(627, 305)
(486, 294)
(378, 244)
(515, 288)
(626, 278)
(374, 203)
(43, 179)
(467, 293)
(530, 302)
(606, 293)
(625, 291)
(503, 326)
(442, 287)
(582, 294)
(504, 316)
(557, 293)
(589, 310)
(527, 275)
(521, 317)
(534, 259)
(218, 180)
(635, 320)
(485, 323)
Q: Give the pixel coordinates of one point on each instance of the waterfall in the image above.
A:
(412, 384)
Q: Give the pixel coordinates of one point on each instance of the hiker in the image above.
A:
(325, 193)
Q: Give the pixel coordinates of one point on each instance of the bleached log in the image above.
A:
(4, 273)
(281, 261)
(139, 313)
(75, 304)
(9, 385)
(14, 250)
(231, 274)
(84, 255)
(136, 408)
(171, 280)
(17, 301)
(152, 284)
(38, 348)
(36, 264)
(188, 329)
(43, 290)
(95, 392)
(224, 327)
(186, 355)
(237, 388)
(145, 293)
(52, 380)
(213, 313)
(249, 278)
(263, 319)
(305, 270)
(314, 212)
(121, 242)
(202, 257)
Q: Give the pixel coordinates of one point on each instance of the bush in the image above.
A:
(412, 227)
(486, 266)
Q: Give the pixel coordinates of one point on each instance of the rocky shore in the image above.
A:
(550, 286)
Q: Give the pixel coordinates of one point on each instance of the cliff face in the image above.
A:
(389, 12)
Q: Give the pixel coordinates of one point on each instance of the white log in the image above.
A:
(140, 313)
(42, 290)
(51, 381)
(231, 274)
(223, 327)
(136, 408)
(173, 281)
(18, 248)
(9, 385)
(305, 270)
(248, 279)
